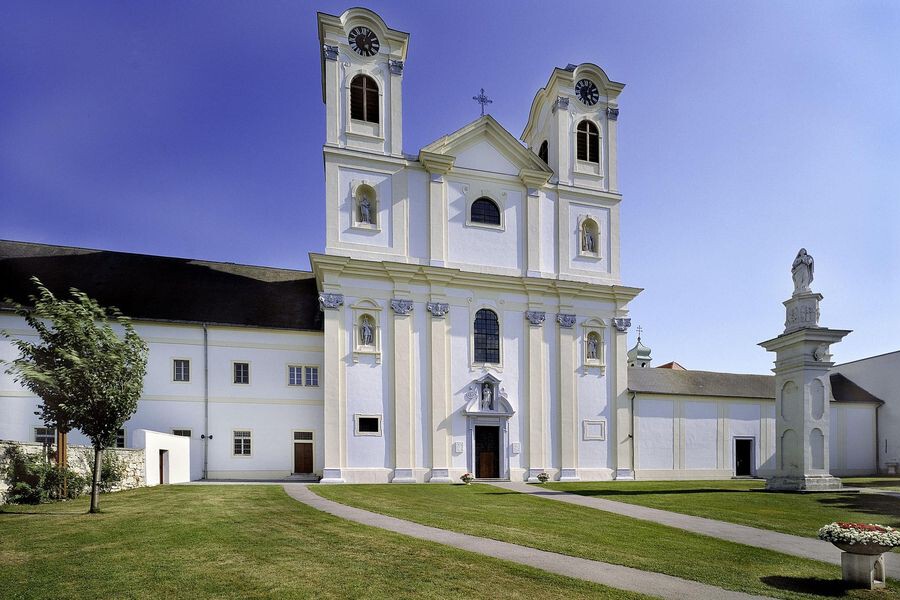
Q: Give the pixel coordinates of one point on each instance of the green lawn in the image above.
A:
(886, 482)
(742, 501)
(492, 512)
(241, 542)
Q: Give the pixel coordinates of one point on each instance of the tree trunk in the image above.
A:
(95, 486)
(62, 458)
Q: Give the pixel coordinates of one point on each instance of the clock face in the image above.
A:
(363, 41)
(587, 92)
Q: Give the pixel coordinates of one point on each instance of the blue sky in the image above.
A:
(747, 130)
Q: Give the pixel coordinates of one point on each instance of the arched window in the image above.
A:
(484, 210)
(544, 153)
(588, 138)
(487, 337)
(364, 99)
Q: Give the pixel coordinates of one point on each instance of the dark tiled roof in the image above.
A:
(844, 390)
(730, 385)
(700, 383)
(163, 288)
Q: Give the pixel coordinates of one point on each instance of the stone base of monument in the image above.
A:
(862, 570)
(808, 483)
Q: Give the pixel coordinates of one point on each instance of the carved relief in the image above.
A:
(565, 321)
(330, 301)
(402, 307)
(536, 317)
(330, 52)
(396, 67)
(621, 324)
(612, 113)
(438, 309)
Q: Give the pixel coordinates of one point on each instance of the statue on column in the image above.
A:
(802, 271)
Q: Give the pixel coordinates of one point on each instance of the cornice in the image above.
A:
(434, 162)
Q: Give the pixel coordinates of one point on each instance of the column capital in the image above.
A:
(402, 307)
(330, 301)
(566, 321)
(536, 317)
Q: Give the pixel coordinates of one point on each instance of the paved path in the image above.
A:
(742, 534)
(616, 576)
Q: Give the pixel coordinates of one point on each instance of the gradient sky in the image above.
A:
(747, 130)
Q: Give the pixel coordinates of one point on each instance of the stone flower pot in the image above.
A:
(866, 549)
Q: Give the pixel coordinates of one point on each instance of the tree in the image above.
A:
(87, 376)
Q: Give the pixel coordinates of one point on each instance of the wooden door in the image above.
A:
(162, 466)
(487, 452)
(303, 457)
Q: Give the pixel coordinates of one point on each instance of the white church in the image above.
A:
(467, 315)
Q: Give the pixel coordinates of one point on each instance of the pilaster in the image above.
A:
(535, 399)
(439, 387)
(331, 303)
(568, 401)
(437, 166)
(624, 433)
(612, 126)
(395, 68)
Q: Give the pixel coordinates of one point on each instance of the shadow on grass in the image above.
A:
(880, 483)
(874, 504)
(833, 588)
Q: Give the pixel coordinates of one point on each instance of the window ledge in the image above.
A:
(595, 256)
(486, 226)
(366, 226)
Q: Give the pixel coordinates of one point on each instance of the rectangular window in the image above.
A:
(242, 372)
(295, 375)
(242, 443)
(45, 435)
(303, 436)
(120, 438)
(367, 425)
(181, 370)
(182, 432)
(312, 376)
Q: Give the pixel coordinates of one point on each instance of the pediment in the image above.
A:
(485, 145)
(479, 403)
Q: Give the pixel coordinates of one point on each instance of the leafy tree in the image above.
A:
(87, 376)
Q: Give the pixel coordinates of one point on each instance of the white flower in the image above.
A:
(860, 533)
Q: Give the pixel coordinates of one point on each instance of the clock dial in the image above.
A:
(587, 92)
(363, 41)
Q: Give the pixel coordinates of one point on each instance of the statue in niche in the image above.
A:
(487, 397)
(366, 332)
(365, 210)
(802, 271)
(587, 241)
(592, 347)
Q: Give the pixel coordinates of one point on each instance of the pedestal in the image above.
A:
(863, 570)
(803, 398)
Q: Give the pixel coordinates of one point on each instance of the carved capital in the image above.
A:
(402, 307)
(565, 321)
(330, 52)
(562, 103)
(438, 309)
(396, 67)
(621, 324)
(536, 317)
(612, 113)
(330, 301)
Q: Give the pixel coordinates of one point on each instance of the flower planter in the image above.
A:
(865, 549)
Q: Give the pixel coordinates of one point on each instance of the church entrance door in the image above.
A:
(487, 452)
(743, 457)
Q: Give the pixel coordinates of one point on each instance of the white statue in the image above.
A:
(587, 243)
(592, 347)
(365, 214)
(366, 332)
(802, 271)
(487, 398)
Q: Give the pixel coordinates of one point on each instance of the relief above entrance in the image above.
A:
(485, 397)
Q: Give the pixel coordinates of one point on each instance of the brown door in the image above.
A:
(487, 452)
(162, 466)
(303, 460)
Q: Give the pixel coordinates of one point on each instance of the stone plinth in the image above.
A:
(803, 398)
(863, 570)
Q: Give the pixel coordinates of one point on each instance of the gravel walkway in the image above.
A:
(616, 576)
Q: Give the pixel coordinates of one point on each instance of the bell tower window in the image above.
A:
(544, 153)
(588, 142)
(364, 99)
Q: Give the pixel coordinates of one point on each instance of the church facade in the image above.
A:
(466, 315)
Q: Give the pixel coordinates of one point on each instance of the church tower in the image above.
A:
(362, 76)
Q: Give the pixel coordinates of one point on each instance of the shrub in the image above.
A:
(34, 479)
(543, 477)
(112, 472)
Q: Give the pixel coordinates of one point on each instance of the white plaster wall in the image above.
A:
(548, 232)
(471, 246)
(852, 445)
(743, 421)
(482, 156)
(177, 465)
(654, 433)
(419, 212)
(880, 376)
(700, 434)
(590, 265)
(593, 404)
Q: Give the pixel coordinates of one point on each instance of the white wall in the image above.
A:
(176, 459)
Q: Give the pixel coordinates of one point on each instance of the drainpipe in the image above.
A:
(206, 435)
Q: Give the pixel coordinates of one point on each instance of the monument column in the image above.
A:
(802, 389)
